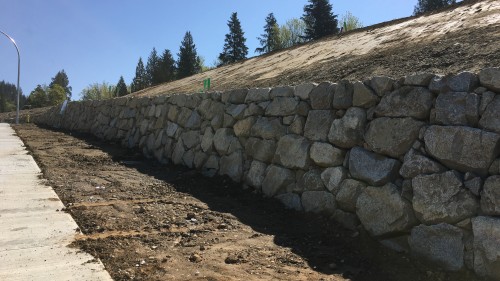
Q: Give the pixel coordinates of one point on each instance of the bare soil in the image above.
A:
(461, 38)
(146, 221)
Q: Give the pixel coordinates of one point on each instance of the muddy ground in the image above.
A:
(146, 221)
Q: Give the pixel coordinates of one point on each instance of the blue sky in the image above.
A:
(99, 40)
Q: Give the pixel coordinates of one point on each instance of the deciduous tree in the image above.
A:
(292, 33)
(234, 47)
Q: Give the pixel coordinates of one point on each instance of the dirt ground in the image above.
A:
(146, 221)
(458, 39)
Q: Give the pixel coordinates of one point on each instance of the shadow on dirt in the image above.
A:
(325, 245)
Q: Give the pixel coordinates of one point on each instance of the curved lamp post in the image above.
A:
(18, 73)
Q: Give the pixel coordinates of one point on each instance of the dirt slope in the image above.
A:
(454, 40)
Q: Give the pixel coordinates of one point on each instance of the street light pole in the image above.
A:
(18, 73)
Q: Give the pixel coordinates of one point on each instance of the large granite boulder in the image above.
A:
(342, 98)
(462, 148)
(486, 247)
(440, 244)
(255, 175)
(348, 131)
(268, 128)
(292, 152)
(348, 194)
(318, 202)
(318, 124)
(490, 120)
(363, 96)
(383, 211)
(457, 109)
(232, 165)
(372, 168)
(326, 155)
(490, 196)
(322, 96)
(333, 177)
(407, 101)
(276, 180)
(262, 150)
(416, 164)
(290, 201)
(282, 106)
(490, 78)
(224, 138)
(392, 136)
(442, 198)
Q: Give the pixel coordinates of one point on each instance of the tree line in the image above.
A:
(317, 21)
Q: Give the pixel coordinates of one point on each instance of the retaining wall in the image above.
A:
(415, 161)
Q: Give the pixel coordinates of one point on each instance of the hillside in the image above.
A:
(464, 38)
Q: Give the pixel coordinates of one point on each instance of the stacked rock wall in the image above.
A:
(415, 161)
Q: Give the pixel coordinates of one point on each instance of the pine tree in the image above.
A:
(121, 88)
(234, 46)
(269, 41)
(167, 67)
(319, 19)
(188, 63)
(140, 80)
(62, 80)
(153, 69)
(424, 6)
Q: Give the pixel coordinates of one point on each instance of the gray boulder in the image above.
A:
(297, 126)
(490, 120)
(490, 196)
(346, 219)
(282, 106)
(236, 110)
(462, 82)
(209, 109)
(255, 175)
(342, 98)
(363, 96)
(276, 180)
(381, 85)
(303, 90)
(318, 202)
(402, 131)
(223, 139)
(416, 164)
(348, 194)
(232, 166)
(490, 78)
(333, 177)
(382, 211)
(462, 148)
(257, 95)
(284, 91)
(326, 155)
(262, 150)
(440, 244)
(372, 168)
(318, 124)
(234, 96)
(243, 127)
(311, 181)
(207, 140)
(322, 96)
(442, 198)
(290, 201)
(348, 131)
(407, 101)
(292, 152)
(457, 109)
(419, 79)
(486, 247)
(268, 128)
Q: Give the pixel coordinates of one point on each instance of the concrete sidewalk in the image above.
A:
(33, 234)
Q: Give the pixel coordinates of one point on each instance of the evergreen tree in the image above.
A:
(234, 46)
(8, 97)
(269, 41)
(121, 88)
(319, 19)
(153, 69)
(424, 6)
(188, 63)
(140, 80)
(167, 67)
(62, 80)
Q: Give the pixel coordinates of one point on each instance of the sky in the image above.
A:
(97, 41)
